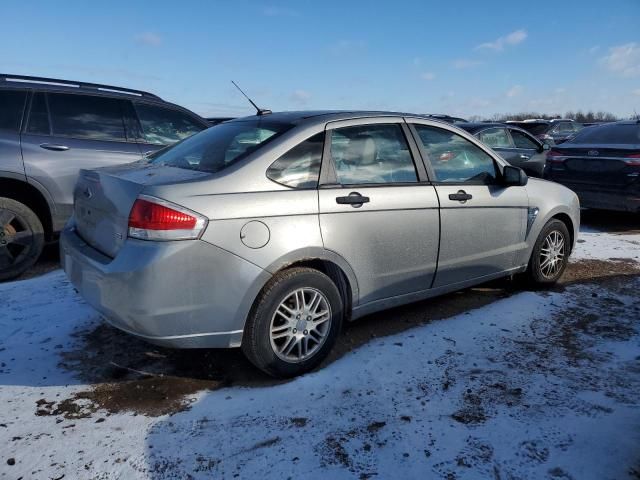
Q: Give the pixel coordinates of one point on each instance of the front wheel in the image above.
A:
(550, 254)
(21, 238)
(294, 322)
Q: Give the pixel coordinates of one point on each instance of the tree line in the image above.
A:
(578, 116)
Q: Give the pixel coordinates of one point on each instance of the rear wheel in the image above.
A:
(550, 254)
(21, 238)
(294, 323)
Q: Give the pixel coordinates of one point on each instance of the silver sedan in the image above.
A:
(268, 232)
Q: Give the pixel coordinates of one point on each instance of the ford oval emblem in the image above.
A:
(593, 153)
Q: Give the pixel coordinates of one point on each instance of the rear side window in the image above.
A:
(220, 146)
(523, 141)
(164, 126)
(11, 108)
(564, 127)
(372, 154)
(455, 159)
(85, 116)
(495, 138)
(300, 166)
(39, 116)
(616, 133)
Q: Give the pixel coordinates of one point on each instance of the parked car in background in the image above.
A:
(216, 120)
(445, 118)
(49, 130)
(602, 165)
(267, 232)
(515, 145)
(552, 132)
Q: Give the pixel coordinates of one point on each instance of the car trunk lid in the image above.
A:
(103, 199)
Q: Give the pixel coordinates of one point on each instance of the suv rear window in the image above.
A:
(534, 128)
(628, 133)
(220, 146)
(12, 105)
(164, 126)
(85, 116)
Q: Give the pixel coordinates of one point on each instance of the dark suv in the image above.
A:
(551, 132)
(49, 130)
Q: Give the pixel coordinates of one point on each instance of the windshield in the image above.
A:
(612, 134)
(220, 146)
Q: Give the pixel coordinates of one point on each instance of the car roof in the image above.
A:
(308, 117)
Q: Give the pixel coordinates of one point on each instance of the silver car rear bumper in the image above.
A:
(155, 290)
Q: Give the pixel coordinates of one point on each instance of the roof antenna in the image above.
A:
(261, 111)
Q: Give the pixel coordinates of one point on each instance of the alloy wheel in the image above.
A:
(552, 254)
(300, 325)
(16, 238)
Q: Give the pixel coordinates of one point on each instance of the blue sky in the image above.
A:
(479, 58)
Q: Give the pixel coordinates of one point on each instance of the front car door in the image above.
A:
(66, 132)
(499, 140)
(532, 156)
(377, 208)
(483, 223)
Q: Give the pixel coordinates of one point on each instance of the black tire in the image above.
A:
(21, 238)
(536, 274)
(257, 342)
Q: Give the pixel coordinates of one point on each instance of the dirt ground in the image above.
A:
(129, 374)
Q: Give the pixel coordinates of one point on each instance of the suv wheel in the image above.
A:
(21, 238)
(550, 254)
(294, 322)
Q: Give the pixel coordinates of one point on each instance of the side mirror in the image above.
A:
(514, 176)
(544, 148)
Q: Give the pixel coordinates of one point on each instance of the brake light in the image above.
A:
(554, 156)
(634, 159)
(155, 219)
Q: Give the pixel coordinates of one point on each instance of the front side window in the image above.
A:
(300, 166)
(164, 126)
(85, 116)
(372, 154)
(11, 107)
(495, 138)
(523, 141)
(454, 158)
(220, 146)
(39, 116)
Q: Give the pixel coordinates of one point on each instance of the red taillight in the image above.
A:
(152, 216)
(554, 156)
(155, 219)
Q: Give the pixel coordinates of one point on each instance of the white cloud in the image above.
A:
(514, 38)
(149, 38)
(428, 76)
(636, 92)
(514, 91)
(300, 97)
(463, 63)
(623, 60)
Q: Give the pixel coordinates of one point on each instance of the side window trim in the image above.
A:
(328, 175)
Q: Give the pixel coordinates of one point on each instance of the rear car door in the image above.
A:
(66, 132)
(377, 208)
(160, 126)
(483, 223)
(12, 103)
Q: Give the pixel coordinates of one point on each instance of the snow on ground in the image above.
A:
(536, 385)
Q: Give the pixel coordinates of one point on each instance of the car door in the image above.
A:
(530, 152)
(66, 132)
(377, 209)
(160, 126)
(483, 223)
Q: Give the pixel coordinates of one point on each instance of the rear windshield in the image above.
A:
(628, 133)
(533, 128)
(220, 146)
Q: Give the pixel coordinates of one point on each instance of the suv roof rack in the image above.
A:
(5, 77)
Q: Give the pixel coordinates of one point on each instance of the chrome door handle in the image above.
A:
(461, 196)
(354, 199)
(524, 157)
(54, 147)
